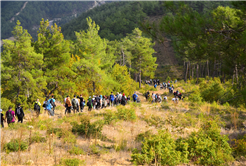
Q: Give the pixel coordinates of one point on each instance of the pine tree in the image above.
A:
(143, 63)
(56, 57)
(22, 77)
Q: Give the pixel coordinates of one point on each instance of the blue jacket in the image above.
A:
(112, 97)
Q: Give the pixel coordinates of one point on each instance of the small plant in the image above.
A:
(142, 136)
(37, 138)
(76, 150)
(88, 129)
(109, 116)
(14, 145)
(121, 145)
(96, 149)
(71, 162)
(126, 114)
(57, 131)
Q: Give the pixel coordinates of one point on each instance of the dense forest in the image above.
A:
(119, 18)
(33, 12)
(55, 66)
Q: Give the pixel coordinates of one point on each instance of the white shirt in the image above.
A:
(153, 96)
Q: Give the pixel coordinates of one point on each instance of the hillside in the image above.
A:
(122, 129)
(30, 13)
(117, 19)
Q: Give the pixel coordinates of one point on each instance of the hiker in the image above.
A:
(75, 104)
(168, 84)
(112, 99)
(10, 116)
(37, 106)
(89, 104)
(150, 81)
(175, 81)
(123, 100)
(158, 81)
(159, 98)
(161, 86)
(101, 101)
(155, 86)
(19, 113)
(104, 101)
(98, 99)
(53, 103)
(135, 97)
(119, 98)
(165, 98)
(65, 104)
(128, 98)
(2, 118)
(175, 100)
(153, 97)
(81, 102)
(45, 104)
(68, 104)
(49, 107)
(147, 95)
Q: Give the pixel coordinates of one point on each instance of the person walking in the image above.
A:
(53, 103)
(37, 106)
(2, 118)
(19, 113)
(112, 99)
(69, 104)
(49, 107)
(81, 103)
(75, 104)
(10, 116)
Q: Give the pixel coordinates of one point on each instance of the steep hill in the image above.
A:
(30, 13)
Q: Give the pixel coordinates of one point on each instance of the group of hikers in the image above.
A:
(78, 103)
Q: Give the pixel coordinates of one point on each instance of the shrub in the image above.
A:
(57, 131)
(208, 146)
(109, 116)
(160, 148)
(76, 150)
(86, 128)
(95, 149)
(126, 114)
(71, 162)
(142, 136)
(37, 138)
(14, 145)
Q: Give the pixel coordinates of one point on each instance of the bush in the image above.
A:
(37, 138)
(86, 128)
(14, 145)
(142, 136)
(208, 146)
(57, 131)
(109, 116)
(76, 150)
(160, 147)
(71, 162)
(126, 114)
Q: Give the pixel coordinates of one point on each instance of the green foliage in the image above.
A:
(76, 150)
(57, 131)
(87, 128)
(109, 116)
(208, 146)
(205, 147)
(124, 113)
(71, 162)
(37, 138)
(162, 148)
(15, 145)
(142, 136)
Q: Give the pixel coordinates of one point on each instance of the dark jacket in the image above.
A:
(21, 113)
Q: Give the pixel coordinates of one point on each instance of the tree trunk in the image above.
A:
(236, 72)
(197, 72)
(214, 68)
(189, 71)
(94, 87)
(139, 78)
(207, 69)
(123, 56)
(192, 73)
(136, 77)
(186, 72)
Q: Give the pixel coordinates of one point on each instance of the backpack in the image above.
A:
(36, 106)
(52, 103)
(74, 103)
(18, 111)
(123, 100)
(9, 116)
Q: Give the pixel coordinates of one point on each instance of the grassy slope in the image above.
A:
(180, 119)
